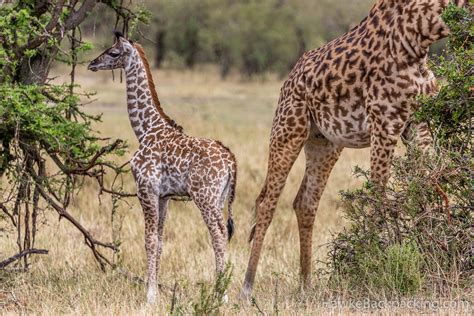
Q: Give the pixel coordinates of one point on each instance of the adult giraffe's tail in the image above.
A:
(257, 202)
(230, 199)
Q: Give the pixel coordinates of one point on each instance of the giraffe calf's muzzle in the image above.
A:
(92, 66)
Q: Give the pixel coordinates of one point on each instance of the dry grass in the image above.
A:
(239, 113)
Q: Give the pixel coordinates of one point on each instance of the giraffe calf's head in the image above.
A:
(115, 57)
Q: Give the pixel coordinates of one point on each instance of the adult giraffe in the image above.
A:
(169, 163)
(356, 91)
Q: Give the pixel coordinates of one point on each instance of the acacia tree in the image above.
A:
(47, 144)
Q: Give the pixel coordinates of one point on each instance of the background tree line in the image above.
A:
(249, 36)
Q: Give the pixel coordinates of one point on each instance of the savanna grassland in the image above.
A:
(238, 112)
(245, 42)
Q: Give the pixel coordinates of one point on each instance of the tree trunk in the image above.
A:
(35, 70)
(160, 48)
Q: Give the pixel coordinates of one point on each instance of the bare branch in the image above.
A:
(78, 16)
(20, 255)
(89, 239)
(121, 194)
(49, 27)
(90, 164)
(5, 210)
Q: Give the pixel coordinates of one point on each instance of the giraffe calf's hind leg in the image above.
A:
(163, 210)
(218, 232)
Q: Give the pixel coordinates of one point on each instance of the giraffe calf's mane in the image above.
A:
(151, 85)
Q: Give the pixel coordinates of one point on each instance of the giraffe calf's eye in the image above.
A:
(114, 54)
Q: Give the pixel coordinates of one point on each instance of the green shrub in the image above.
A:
(396, 270)
(212, 299)
(402, 268)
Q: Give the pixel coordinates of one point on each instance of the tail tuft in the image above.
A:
(230, 228)
(230, 197)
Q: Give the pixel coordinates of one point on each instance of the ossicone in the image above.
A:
(118, 34)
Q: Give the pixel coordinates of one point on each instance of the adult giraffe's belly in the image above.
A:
(345, 126)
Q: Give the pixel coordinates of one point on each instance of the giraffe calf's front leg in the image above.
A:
(151, 247)
(149, 201)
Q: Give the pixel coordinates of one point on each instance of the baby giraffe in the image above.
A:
(170, 164)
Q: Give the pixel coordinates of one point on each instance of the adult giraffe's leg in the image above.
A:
(415, 133)
(386, 124)
(419, 135)
(289, 132)
(163, 209)
(321, 155)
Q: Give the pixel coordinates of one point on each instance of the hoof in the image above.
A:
(245, 294)
(225, 299)
(151, 297)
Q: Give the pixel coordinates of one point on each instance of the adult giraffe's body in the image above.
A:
(170, 163)
(356, 91)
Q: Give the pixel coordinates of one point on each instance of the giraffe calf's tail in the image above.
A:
(230, 200)
(230, 228)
